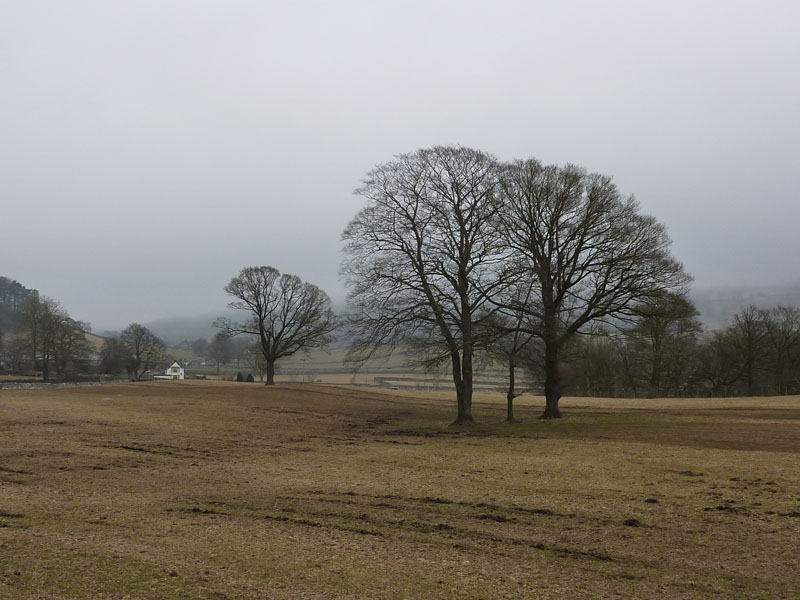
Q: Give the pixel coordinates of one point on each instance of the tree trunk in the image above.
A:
(510, 395)
(552, 381)
(270, 372)
(655, 379)
(462, 377)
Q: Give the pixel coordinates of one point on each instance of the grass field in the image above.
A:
(222, 491)
(29, 378)
(330, 367)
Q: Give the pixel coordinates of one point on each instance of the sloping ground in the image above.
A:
(213, 490)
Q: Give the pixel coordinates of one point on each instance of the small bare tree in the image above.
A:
(34, 314)
(748, 336)
(510, 339)
(590, 253)
(221, 349)
(783, 326)
(143, 348)
(286, 314)
(69, 344)
(255, 360)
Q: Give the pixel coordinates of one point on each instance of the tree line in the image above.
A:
(48, 339)
(666, 354)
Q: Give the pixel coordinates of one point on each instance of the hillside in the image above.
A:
(12, 296)
(174, 330)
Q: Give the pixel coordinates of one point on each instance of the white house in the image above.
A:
(174, 371)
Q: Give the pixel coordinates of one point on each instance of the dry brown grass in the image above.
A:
(215, 490)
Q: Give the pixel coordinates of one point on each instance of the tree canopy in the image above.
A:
(589, 251)
(144, 349)
(422, 259)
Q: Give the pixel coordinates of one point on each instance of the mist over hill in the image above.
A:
(174, 330)
(717, 304)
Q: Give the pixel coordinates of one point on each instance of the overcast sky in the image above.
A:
(151, 149)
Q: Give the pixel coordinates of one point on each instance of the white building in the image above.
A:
(174, 371)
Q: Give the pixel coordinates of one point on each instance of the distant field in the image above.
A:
(225, 491)
(329, 367)
(19, 378)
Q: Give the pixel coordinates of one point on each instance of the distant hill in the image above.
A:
(12, 297)
(718, 304)
(174, 330)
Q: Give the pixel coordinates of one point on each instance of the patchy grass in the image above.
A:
(215, 490)
(19, 378)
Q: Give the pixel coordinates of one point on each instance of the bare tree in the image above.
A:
(114, 356)
(748, 337)
(143, 348)
(44, 320)
(422, 258)
(33, 315)
(717, 365)
(199, 346)
(590, 252)
(221, 349)
(69, 343)
(255, 360)
(287, 314)
(783, 330)
(16, 354)
(660, 342)
(510, 341)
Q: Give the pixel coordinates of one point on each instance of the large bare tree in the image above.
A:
(286, 314)
(421, 260)
(589, 251)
